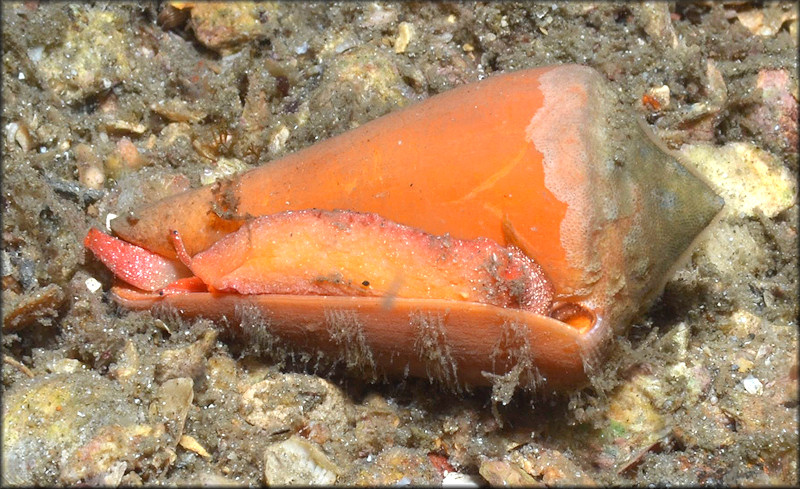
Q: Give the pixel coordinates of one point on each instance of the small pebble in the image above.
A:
(405, 33)
(93, 285)
(752, 385)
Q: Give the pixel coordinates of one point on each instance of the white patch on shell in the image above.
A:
(554, 130)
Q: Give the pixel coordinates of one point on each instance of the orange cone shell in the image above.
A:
(545, 159)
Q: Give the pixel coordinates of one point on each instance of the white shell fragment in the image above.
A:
(297, 461)
(93, 284)
(109, 218)
(457, 479)
(752, 385)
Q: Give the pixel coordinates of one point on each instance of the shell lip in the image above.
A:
(134, 298)
(478, 337)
